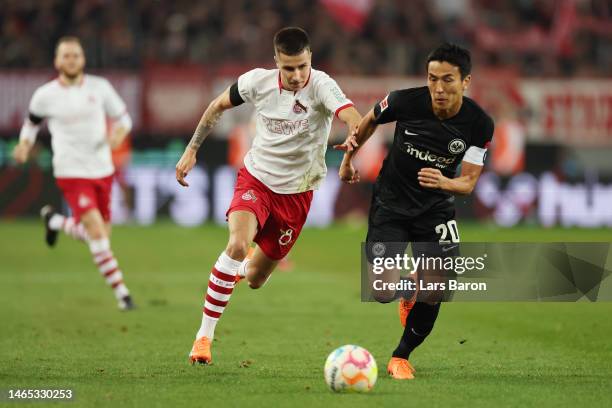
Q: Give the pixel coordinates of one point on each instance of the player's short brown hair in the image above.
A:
(67, 39)
(291, 41)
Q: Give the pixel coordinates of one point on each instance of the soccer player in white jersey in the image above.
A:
(295, 105)
(76, 107)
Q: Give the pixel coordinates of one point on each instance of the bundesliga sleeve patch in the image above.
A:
(384, 104)
(338, 94)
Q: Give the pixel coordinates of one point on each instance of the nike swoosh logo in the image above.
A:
(410, 133)
(448, 248)
(417, 334)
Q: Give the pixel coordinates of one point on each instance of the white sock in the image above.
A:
(108, 266)
(56, 221)
(242, 270)
(69, 226)
(220, 287)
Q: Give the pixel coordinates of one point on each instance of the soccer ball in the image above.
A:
(350, 368)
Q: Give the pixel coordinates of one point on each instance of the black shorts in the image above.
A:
(432, 233)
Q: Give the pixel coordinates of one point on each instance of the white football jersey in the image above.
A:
(292, 128)
(76, 117)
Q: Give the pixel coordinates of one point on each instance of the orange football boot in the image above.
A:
(400, 369)
(200, 352)
(405, 306)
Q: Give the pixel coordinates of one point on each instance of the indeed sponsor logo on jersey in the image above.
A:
(426, 155)
(285, 127)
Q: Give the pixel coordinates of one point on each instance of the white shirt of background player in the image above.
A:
(77, 119)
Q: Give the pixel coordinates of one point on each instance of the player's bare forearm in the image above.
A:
(357, 136)
(205, 127)
(120, 129)
(351, 117)
(459, 185)
(209, 119)
(21, 151)
(464, 184)
(207, 123)
(27, 138)
(118, 136)
(367, 127)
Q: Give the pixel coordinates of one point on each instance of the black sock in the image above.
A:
(419, 324)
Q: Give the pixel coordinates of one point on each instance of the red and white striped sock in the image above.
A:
(108, 266)
(244, 267)
(220, 287)
(69, 226)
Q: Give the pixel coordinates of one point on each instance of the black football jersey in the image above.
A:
(423, 140)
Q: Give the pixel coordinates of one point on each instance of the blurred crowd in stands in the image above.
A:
(379, 37)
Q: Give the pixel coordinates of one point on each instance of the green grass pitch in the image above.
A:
(61, 329)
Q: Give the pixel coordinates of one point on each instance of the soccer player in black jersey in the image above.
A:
(437, 129)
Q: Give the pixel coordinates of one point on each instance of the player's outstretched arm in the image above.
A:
(27, 138)
(21, 152)
(114, 106)
(208, 121)
(120, 128)
(464, 184)
(352, 118)
(366, 128)
(351, 145)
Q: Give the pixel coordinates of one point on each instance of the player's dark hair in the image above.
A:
(68, 39)
(291, 41)
(454, 55)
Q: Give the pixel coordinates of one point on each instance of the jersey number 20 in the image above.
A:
(444, 229)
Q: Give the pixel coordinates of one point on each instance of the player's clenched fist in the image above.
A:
(431, 178)
(348, 173)
(184, 166)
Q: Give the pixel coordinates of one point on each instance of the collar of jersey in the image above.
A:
(65, 85)
(280, 83)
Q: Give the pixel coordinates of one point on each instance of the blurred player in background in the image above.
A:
(76, 107)
(295, 106)
(437, 127)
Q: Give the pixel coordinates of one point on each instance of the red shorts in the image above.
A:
(84, 194)
(280, 216)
